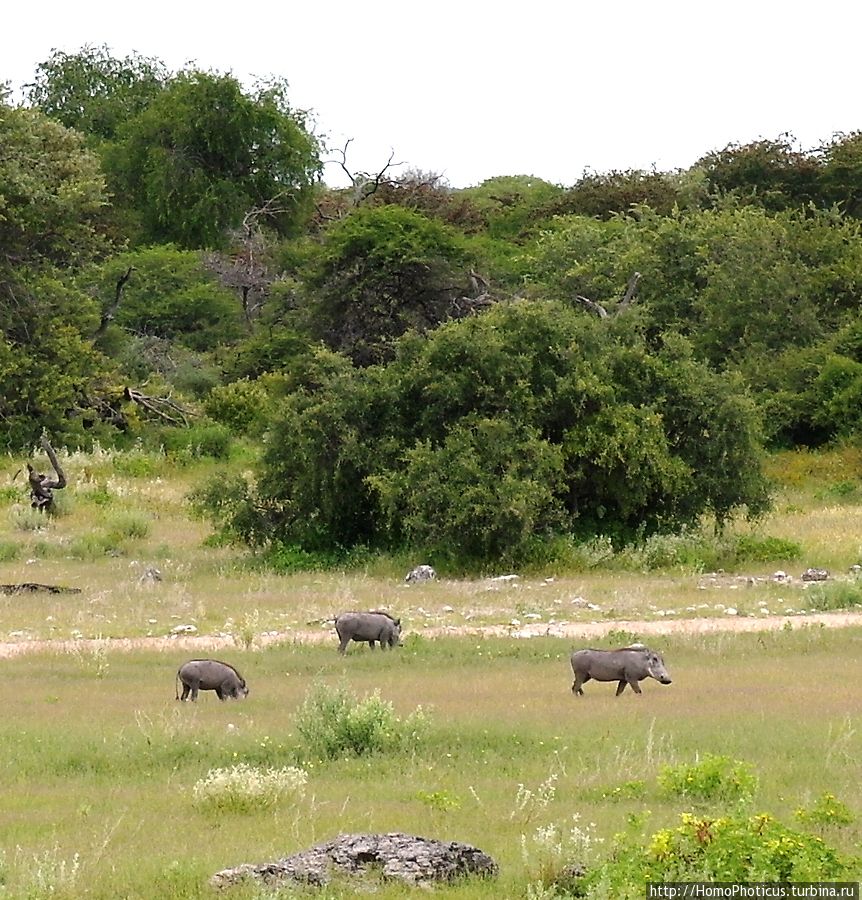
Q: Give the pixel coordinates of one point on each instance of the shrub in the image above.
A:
(750, 548)
(241, 406)
(732, 848)
(96, 545)
(711, 778)
(196, 442)
(9, 551)
(827, 809)
(138, 464)
(332, 723)
(242, 787)
(837, 595)
(127, 525)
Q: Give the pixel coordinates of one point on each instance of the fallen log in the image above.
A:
(32, 587)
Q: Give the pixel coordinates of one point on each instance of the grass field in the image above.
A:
(100, 761)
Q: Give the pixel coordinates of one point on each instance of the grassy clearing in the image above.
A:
(123, 514)
(97, 768)
(100, 762)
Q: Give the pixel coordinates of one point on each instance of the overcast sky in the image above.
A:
(473, 89)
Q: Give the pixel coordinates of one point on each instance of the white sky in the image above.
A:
(474, 88)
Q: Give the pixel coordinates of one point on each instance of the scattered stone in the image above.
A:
(503, 578)
(420, 573)
(402, 857)
(184, 629)
(855, 570)
(815, 575)
(149, 577)
(780, 576)
(730, 611)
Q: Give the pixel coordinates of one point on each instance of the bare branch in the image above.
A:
(161, 407)
(111, 311)
(42, 487)
(631, 291)
(592, 306)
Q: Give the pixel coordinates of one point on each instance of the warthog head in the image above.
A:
(656, 668)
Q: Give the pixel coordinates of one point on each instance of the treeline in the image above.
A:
(478, 373)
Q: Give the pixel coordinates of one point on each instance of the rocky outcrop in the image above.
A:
(402, 857)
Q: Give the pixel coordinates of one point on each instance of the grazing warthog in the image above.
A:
(210, 675)
(368, 626)
(627, 666)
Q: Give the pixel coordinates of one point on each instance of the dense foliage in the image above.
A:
(422, 366)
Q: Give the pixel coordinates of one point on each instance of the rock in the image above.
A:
(184, 629)
(402, 857)
(504, 578)
(420, 573)
(855, 570)
(815, 575)
(150, 576)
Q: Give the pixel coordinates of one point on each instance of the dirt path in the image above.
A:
(202, 643)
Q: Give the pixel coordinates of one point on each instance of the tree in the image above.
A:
(170, 294)
(841, 175)
(94, 92)
(379, 272)
(606, 194)
(499, 431)
(769, 173)
(204, 152)
(52, 203)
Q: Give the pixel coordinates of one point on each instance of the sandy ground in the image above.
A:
(201, 643)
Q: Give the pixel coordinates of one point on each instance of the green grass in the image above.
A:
(95, 765)
(100, 761)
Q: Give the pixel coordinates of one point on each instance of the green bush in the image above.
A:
(827, 809)
(731, 848)
(197, 442)
(240, 406)
(127, 525)
(332, 723)
(750, 548)
(96, 546)
(835, 595)
(711, 778)
(138, 463)
(9, 551)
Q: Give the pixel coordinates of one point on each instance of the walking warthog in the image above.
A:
(627, 666)
(368, 626)
(210, 675)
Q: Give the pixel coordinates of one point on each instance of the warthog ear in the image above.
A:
(398, 621)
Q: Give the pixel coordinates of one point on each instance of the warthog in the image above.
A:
(627, 666)
(210, 675)
(368, 626)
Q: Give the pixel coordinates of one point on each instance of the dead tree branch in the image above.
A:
(631, 291)
(42, 486)
(364, 183)
(627, 300)
(592, 306)
(162, 407)
(111, 311)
